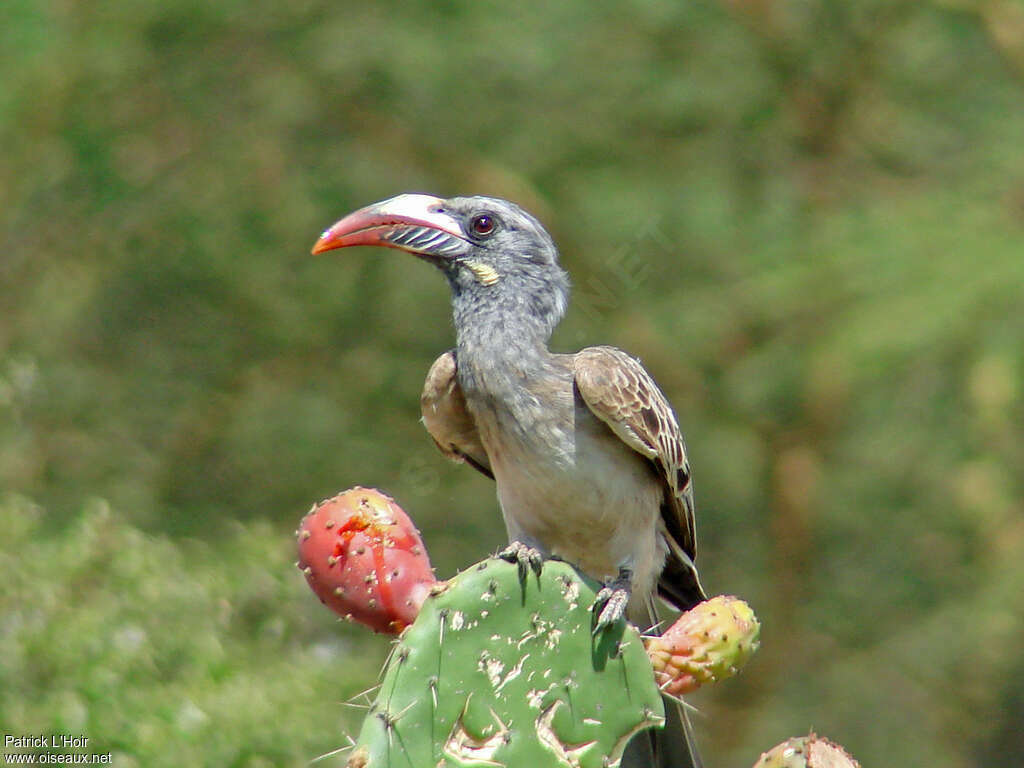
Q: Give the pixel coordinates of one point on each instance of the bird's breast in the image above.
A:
(566, 483)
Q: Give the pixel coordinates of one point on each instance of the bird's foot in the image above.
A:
(524, 556)
(610, 603)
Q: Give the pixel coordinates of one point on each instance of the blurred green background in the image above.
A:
(806, 217)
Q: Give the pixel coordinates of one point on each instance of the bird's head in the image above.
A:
(495, 255)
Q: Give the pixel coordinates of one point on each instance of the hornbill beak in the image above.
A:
(414, 223)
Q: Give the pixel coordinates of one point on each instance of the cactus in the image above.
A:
(500, 667)
(498, 671)
(811, 751)
(364, 559)
(708, 643)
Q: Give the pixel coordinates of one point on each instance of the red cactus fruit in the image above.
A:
(364, 559)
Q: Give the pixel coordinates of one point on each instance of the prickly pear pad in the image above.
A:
(498, 672)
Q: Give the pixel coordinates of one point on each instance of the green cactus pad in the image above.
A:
(500, 672)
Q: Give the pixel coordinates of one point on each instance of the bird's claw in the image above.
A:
(524, 556)
(609, 607)
(610, 603)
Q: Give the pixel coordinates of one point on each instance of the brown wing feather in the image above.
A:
(448, 420)
(620, 392)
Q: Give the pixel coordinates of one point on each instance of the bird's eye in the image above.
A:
(482, 225)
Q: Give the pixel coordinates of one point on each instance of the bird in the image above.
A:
(585, 450)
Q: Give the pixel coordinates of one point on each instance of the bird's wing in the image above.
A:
(448, 420)
(620, 392)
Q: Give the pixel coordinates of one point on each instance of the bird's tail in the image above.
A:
(675, 745)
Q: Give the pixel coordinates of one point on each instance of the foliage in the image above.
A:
(807, 218)
(164, 653)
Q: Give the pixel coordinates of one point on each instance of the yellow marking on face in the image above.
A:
(484, 273)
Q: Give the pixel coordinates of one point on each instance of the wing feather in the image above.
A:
(447, 418)
(619, 391)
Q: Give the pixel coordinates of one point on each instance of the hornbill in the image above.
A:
(585, 450)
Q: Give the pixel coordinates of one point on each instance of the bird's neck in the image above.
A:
(499, 346)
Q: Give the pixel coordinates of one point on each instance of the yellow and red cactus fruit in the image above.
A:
(811, 751)
(709, 642)
(365, 560)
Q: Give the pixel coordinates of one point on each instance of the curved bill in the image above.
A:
(413, 223)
